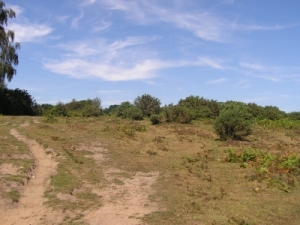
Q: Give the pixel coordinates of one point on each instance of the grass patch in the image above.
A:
(14, 195)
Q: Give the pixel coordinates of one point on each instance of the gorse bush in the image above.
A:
(234, 122)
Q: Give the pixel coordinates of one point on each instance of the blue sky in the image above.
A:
(242, 50)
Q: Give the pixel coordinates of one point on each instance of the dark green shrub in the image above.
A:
(273, 113)
(257, 111)
(200, 107)
(121, 109)
(178, 114)
(85, 108)
(133, 113)
(234, 122)
(294, 115)
(155, 119)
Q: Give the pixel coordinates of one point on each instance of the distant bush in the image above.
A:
(257, 111)
(121, 109)
(273, 113)
(155, 119)
(234, 122)
(200, 107)
(110, 110)
(133, 113)
(285, 123)
(148, 104)
(294, 115)
(128, 110)
(85, 108)
(59, 110)
(178, 114)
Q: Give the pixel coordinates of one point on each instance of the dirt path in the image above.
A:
(126, 202)
(30, 208)
(126, 198)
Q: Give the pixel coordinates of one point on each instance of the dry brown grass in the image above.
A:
(195, 186)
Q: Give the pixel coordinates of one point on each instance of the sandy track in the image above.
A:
(30, 208)
(124, 204)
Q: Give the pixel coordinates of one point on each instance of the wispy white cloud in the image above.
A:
(217, 81)
(29, 32)
(253, 66)
(26, 31)
(120, 60)
(254, 27)
(110, 91)
(213, 63)
(269, 72)
(88, 2)
(100, 26)
(62, 19)
(75, 21)
(201, 23)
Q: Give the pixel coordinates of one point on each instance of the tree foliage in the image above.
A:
(148, 104)
(177, 113)
(8, 55)
(128, 110)
(200, 107)
(17, 102)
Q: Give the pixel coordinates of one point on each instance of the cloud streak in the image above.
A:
(30, 32)
(217, 81)
(121, 60)
(202, 23)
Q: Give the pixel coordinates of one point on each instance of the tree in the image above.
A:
(8, 55)
(17, 102)
(148, 104)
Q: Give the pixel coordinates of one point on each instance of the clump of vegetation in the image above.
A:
(234, 122)
(14, 195)
(179, 114)
(200, 107)
(155, 119)
(128, 111)
(17, 102)
(148, 104)
(280, 169)
(284, 123)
